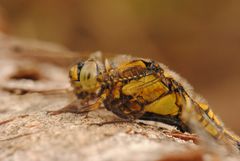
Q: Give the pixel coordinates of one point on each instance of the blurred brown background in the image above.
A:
(198, 39)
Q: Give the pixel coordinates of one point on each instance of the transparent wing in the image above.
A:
(120, 59)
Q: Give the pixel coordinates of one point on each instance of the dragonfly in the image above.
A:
(142, 89)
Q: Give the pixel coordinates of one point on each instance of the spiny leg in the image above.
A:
(183, 136)
(111, 122)
(75, 107)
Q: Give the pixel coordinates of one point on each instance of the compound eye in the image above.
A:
(88, 71)
(88, 75)
(75, 71)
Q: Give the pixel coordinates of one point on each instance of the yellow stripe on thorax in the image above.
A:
(164, 105)
(145, 88)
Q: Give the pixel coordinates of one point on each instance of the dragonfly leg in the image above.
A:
(183, 136)
(76, 107)
(111, 122)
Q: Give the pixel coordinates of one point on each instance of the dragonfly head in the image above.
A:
(83, 75)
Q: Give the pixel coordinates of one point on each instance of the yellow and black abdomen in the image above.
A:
(212, 125)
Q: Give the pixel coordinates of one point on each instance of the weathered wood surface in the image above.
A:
(27, 132)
